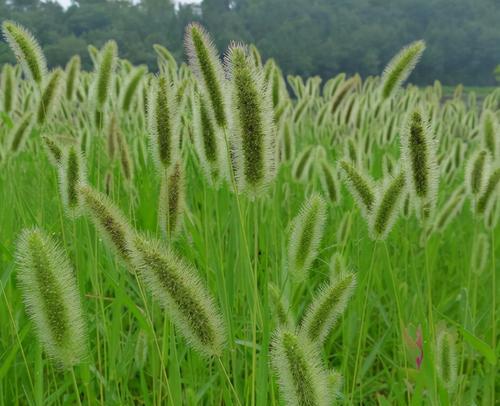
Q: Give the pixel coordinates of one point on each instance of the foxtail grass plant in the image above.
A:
(51, 297)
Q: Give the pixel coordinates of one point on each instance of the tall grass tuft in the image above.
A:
(51, 297)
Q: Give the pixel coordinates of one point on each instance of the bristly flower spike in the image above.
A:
(51, 297)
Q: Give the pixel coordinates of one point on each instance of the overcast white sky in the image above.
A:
(66, 3)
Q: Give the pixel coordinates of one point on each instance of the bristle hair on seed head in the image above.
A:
(306, 234)
(303, 381)
(53, 150)
(109, 220)
(387, 206)
(164, 123)
(209, 142)
(107, 61)
(327, 306)
(50, 96)
(27, 50)
(253, 134)
(129, 90)
(400, 67)
(51, 297)
(419, 158)
(172, 199)
(490, 132)
(178, 288)
(329, 182)
(205, 62)
(360, 185)
(9, 88)
(72, 173)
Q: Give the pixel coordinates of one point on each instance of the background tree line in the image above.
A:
(306, 37)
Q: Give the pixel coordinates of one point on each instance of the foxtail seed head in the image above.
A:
(105, 70)
(489, 132)
(252, 127)
(487, 198)
(446, 358)
(8, 88)
(50, 96)
(28, 53)
(178, 288)
(477, 171)
(302, 379)
(53, 149)
(306, 234)
(400, 67)
(163, 124)
(172, 199)
(109, 220)
(418, 152)
(328, 305)
(130, 89)
(20, 132)
(72, 172)
(480, 253)
(280, 307)
(361, 187)
(204, 61)
(51, 297)
(72, 76)
(450, 210)
(387, 207)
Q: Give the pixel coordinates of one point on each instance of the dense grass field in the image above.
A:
(415, 323)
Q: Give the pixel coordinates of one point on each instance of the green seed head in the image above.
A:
(387, 207)
(53, 149)
(480, 253)
(109, 221)
(489, 195)
(20, 132)
(252, 128)
(172, 200)
(477, 171)
(28, 52)
(490, 132)
(178, 288)
(204, 61)
(327, 306)
(163, 124)
(104, 74)
(50, 96)
(360, 185)
(280, 307)
(446, 358)
(72, 76)
(302, 379)
(400, 67)
(307, 231)
(8, 87)
(51, 297)
(132, 83)
(72, 172)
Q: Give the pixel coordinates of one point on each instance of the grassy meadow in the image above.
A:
(220, 233)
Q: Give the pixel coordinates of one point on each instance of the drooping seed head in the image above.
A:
(251, 127)
(204, 61)
(178, 288)
(51, 297)
(387, 207)
(302, 165)
(163, 124)
(72, 173)
(329, 182)
(302, 379)
(306, 234)
(172, 200)
(27, 50)
(327, 306)
(109, 221)
(400, 67)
